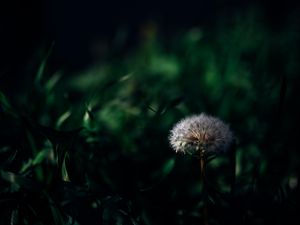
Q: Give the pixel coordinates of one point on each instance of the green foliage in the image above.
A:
(92, 147)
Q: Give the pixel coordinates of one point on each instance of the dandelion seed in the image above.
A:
(205, 135)
(201, 133)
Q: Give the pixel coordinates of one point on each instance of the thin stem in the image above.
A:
(202, 167)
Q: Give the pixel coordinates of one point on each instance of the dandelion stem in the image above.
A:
(206, 135)
(202, 167)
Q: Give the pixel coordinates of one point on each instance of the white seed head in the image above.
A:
(201, 132)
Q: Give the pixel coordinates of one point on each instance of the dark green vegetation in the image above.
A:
(92, 147)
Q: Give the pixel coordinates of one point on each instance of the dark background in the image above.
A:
(125, 73)
(72, 25)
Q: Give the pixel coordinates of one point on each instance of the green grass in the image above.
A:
(92, 147)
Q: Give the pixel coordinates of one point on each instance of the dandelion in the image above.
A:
(202, 133)
(205, 135)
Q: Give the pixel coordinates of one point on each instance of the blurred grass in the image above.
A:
(92, 147)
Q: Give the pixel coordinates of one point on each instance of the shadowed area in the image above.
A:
(90, 91)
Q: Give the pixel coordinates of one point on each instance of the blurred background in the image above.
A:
(89, 91)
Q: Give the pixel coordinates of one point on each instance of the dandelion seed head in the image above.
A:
(201, 132)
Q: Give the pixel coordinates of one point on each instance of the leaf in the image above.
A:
(172, 104)
(88, 118)
(64, 172)
(63, 118)
(26, 166)
(71, 221)
(41, 69)
(57, 216)
(168, 167)
(52, 81)
(19, 181)
(32, 143)
(14, 219)
(6, 106)
(43, 155)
